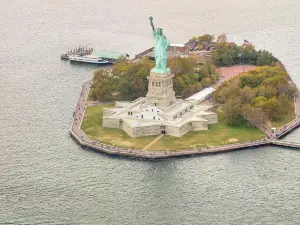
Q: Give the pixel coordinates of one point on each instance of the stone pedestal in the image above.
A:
(160, 89)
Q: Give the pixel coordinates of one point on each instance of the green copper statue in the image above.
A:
(160, 50)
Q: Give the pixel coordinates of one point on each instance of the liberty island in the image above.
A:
(178, 124)
(49, 178)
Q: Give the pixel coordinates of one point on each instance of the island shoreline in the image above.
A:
(80, 137)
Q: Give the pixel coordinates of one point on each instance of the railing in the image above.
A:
(144, 53)
(292, 125)
(257, 124)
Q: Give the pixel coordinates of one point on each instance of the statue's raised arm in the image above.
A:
(151, 23)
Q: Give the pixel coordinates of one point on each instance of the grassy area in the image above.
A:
(218, 134)
(89, 98)
(283, 120)
(92, 126)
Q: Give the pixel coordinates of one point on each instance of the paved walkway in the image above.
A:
(227, 73)
(80, 110)
(297, 103)
(153, 142)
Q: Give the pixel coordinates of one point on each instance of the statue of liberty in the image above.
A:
(160, 50)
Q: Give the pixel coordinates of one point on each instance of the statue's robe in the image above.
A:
(160, 50)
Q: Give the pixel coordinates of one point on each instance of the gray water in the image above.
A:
(46, 178)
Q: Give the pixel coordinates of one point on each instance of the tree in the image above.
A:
(205, 38)
(232, 110)
(270, 106)
(247, 54)
(240, 54)
(132, 82)
(103, 85)
(266, 91)
(227, 59)
(191, 77)
(265, 58)
(180, 66)
(205, 82)
(247, 94)
(263, 93)
(216, 58)
(222, 38)
(178, 85)
(284, 103)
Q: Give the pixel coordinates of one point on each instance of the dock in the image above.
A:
(89, 55)
(77, 51)
(289, 144)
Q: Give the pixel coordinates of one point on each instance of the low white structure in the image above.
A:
(159, 112)
(202, 95)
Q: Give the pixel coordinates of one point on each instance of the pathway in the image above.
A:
(153, 142)
(297, 103)
(286, 143)
(269, 133)
(227, 73)
(80, 110)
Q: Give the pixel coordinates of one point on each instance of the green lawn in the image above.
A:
(89, 98)
(218, 134)
(92, 126)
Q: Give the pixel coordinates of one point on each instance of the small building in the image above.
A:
(111, 56)
(179, 48)
(192, 44)
(174, 50)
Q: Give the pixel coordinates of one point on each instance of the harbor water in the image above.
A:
(46, 178)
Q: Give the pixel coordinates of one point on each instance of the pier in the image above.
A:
(77, 51)
(288, 128)
(286, 144)
(80, 137)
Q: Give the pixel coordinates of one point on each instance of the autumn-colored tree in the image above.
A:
(103, 85)
(227, 54)
(247, 94)
(222, 38)
(264, 92)
(205, 38)
(232, 110)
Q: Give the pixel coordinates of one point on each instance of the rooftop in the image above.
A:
(177, 45)
(140, 114)
(109, 55)
(201, 95)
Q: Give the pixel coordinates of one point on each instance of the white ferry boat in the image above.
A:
(88, 59)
